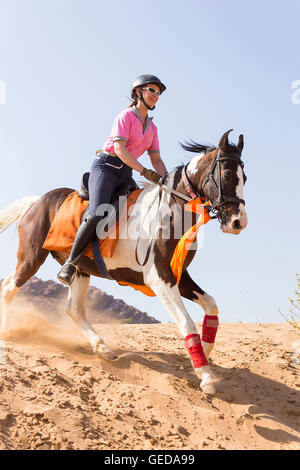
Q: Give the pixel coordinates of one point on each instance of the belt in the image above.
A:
(104, 151)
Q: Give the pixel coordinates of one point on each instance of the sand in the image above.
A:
(55, 394)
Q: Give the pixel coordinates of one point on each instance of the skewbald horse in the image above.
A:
(215, 174)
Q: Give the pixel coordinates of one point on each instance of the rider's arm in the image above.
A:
(157, 162)
(123, 153)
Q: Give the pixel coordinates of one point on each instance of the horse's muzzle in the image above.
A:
(236, 224)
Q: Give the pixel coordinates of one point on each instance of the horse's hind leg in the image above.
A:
(9, 290)
(31, 256)
(10, 286)
(76, 310)
(13, 282)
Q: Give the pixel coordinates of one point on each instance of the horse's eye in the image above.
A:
(226, 174)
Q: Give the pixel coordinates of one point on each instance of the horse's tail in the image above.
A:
(14, 212)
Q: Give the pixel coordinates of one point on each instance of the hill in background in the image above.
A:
(50, 297)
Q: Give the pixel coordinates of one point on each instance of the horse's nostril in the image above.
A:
(236, 225)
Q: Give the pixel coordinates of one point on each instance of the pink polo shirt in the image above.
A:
(139, 137)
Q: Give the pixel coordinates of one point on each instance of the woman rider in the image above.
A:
(133, 133)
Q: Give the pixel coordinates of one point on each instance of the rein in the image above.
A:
(149, 248)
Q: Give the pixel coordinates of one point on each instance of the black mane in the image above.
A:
(194, 147)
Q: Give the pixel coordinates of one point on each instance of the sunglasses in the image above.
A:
(152, 91)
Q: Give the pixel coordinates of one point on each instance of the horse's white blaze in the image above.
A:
(241, 215)
(240, 194)
(9, 290)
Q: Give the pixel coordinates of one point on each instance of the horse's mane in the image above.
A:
(195, 147)
(191, 146)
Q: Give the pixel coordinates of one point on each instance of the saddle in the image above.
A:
(123, 190)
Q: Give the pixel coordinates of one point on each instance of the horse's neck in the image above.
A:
(196, 172)
(198, 169)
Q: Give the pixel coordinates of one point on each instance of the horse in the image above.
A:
(215, 174)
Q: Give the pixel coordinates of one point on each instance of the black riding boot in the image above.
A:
(84, 235)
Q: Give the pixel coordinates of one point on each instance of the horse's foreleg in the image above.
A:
(170, 297)
(190, 290)
(76, 310)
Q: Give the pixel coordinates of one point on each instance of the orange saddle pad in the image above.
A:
(68, 218)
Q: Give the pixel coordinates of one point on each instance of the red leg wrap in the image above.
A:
(194, 347)
(209, 328)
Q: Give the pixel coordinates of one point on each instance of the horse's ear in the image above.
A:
(224, 139)
(240, 144)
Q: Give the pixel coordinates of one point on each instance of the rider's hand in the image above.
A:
(150, 175)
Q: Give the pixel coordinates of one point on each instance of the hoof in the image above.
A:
(209, 383)
(209, 388)
(108, 356)
(106, 353)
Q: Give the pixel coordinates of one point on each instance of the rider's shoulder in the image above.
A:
(125, 113)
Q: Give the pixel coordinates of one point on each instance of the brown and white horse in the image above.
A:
(214, 173)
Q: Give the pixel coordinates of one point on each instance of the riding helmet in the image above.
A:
(145, 80)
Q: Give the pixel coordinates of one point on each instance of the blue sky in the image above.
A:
(67, 67)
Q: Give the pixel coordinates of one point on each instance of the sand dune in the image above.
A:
(55, 394)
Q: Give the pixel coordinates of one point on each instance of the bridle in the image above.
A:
(217, 206)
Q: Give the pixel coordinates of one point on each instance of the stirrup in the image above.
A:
(67, 273)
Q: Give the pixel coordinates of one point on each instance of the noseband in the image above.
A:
(217, 207)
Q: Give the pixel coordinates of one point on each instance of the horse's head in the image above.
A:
(219, 175)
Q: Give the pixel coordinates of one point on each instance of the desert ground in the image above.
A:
(55, 394)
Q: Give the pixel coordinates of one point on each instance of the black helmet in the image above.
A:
(145, 80)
